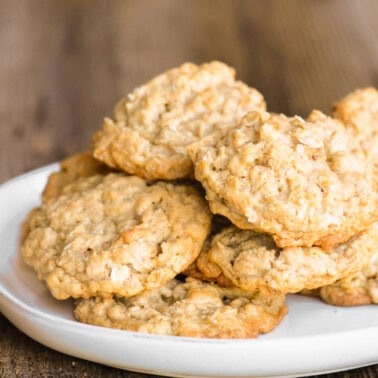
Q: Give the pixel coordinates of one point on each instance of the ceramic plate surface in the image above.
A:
(314, 338)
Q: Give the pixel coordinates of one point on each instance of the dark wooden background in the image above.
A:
(64, 64)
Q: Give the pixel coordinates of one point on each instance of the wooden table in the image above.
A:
(64, 64)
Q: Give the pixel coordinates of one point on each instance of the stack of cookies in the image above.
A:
(196, 211)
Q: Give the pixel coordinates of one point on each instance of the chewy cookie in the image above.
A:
(203, 268)
(252, 261)
(356, 290)
(359, 112)
(155, 123)
(193, 308)
(71, 169)
(115, 234)
(304, 182)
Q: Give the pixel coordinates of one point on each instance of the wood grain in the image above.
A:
(64, 64)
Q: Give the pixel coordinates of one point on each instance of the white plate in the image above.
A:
(314, 338)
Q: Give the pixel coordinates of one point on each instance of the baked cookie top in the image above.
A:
(359, 112)
(304, 182)
(153, 125)
(193, 308)
(252, 261)
(115, 234)
(72, 168)
(358, 289)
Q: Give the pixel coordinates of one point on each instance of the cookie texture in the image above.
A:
(203, 268)
(71, 169)
(115, 234)
(193, 308)
(303, 182)
(155, 123)
(359, 112)
(355, 290)
(252, 261)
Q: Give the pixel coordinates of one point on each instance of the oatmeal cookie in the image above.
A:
(359, 112)
(206, 270)
(252, 261)
(356, 290)
(72, 168)
(303, 182)
(203, 268)
(193, 308)
(115, 234)
(153, 125)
